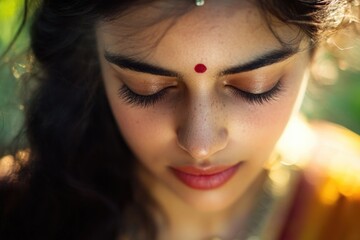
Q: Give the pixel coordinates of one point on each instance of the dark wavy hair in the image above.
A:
(78, 179)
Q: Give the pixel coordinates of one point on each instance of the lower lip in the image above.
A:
(206, 182)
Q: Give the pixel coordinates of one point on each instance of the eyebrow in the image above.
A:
(138, 66)
(266, 59)
(269, 58)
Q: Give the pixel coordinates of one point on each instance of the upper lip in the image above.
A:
(201, 171)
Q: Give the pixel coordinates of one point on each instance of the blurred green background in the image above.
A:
(11, 108)
(338, 102)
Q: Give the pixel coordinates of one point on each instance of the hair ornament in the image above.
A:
(199, 2)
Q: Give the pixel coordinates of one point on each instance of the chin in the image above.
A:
(211, 201)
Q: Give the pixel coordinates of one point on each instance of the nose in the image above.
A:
(202, 132)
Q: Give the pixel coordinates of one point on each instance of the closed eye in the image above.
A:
(136, 99)
(258, 98)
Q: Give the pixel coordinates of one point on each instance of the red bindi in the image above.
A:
(200, 68)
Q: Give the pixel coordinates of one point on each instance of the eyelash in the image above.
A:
(259, 98)
(133, 98)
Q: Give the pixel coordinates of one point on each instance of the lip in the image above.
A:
(204, 178)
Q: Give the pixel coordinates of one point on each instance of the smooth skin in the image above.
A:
(200, 120)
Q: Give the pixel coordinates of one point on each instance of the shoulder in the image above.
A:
(318, 143)
(336, 139)
(327, 198)
(328, 155)
(335, 165)
(336, 157)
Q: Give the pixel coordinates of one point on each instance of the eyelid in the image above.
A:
(274, 86)
(253, 85)
(255, 82)
(148, 90)
(136, 99)
(259, 98)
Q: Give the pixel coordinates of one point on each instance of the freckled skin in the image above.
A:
(199, 122)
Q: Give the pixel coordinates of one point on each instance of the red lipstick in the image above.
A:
(204, 178)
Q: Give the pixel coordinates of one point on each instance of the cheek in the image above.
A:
(260, 126)
(146, 132)
(274, 116)
(140, 128)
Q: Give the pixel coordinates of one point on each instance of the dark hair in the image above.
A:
(78, 180)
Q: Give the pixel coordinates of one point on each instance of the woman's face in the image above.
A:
(207, 93)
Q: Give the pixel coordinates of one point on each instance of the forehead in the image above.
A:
(219, 28)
